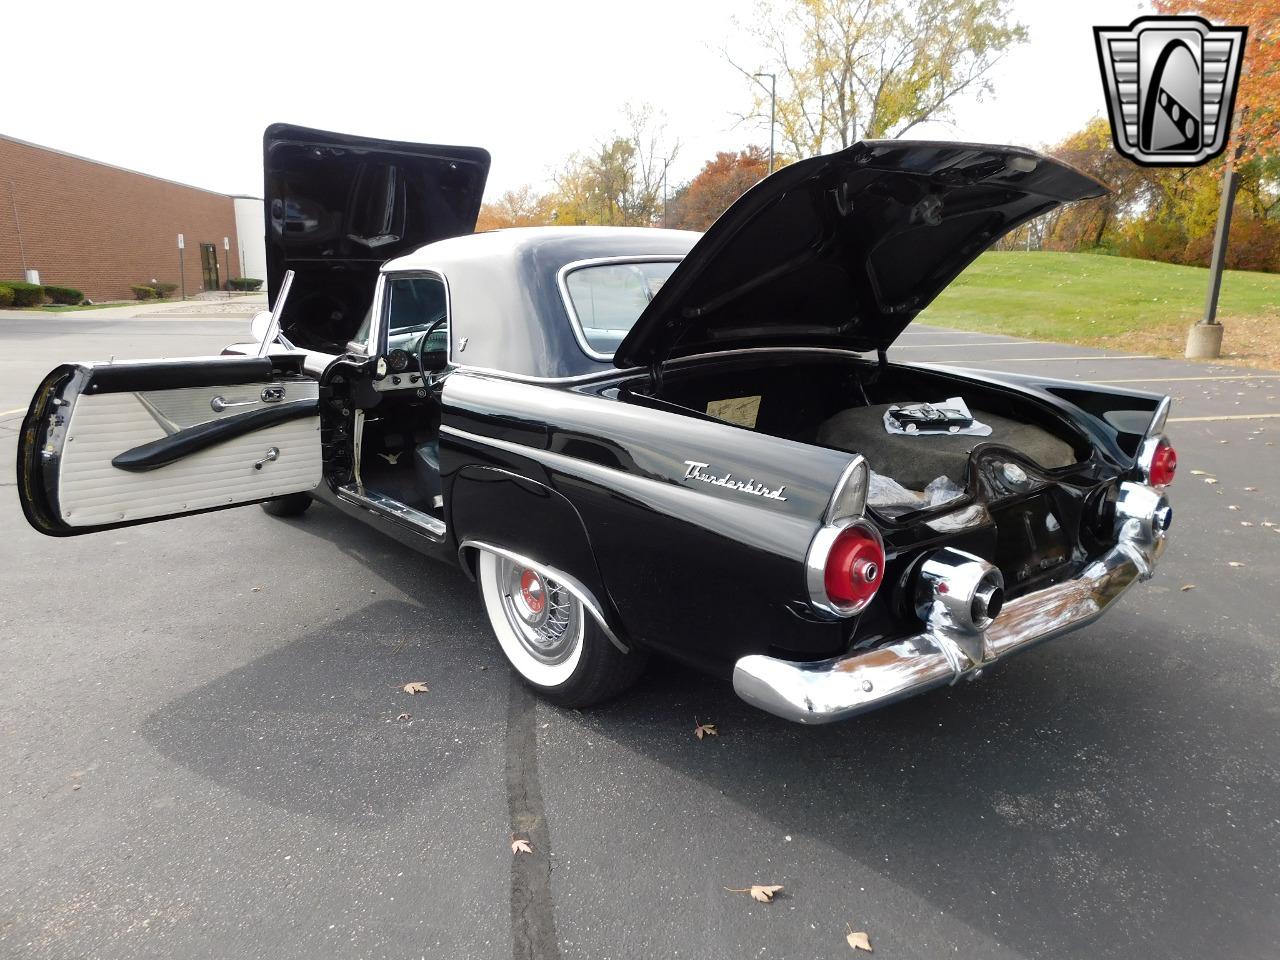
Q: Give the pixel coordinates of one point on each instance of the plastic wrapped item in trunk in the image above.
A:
(951, 416)
(892, 499)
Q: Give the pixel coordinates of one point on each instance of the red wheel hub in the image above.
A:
(531, 591)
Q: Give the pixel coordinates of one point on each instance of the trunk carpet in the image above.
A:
(914, 461)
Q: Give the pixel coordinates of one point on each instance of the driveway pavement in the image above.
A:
(202, 758)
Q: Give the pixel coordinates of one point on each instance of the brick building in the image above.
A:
(100, 228)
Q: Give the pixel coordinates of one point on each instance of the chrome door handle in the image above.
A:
(273, 453)
(220, 403)
(268, 395)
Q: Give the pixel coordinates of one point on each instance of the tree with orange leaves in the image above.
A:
(723, 179)
(521, 207)
(1257, 122)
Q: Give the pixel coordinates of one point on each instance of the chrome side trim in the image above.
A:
(569, 582)
(677, 500)
(846, 686)
(575, 322)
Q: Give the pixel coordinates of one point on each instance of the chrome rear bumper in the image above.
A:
(843, 687)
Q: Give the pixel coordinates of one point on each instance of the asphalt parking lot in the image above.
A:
(202, 758)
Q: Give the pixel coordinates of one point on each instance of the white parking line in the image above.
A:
(1234, 416)
(9, 413)
(1138, 356)
(1239, 376)
(971, 343)
(944, 332)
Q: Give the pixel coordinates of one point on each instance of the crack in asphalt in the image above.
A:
(533, 927)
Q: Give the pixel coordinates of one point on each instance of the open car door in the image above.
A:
(114, 444)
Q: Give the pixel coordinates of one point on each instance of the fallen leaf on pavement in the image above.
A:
(705, 729)
(858, 940)
(1210, 480)
(255, 589)
(404, 716)
(1245, 523)
(759, 891)
(1251, 489)
(417, 686)
(1232, 506)
(1188, 586)
(520, 846)
(1234, 563)
(1200, 473)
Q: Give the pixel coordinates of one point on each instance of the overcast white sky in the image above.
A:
(184, 90)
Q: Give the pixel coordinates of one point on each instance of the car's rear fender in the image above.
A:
(503, 512)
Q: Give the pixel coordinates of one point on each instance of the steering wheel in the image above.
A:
(422, 351)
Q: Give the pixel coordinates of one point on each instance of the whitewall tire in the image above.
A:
(550, 639)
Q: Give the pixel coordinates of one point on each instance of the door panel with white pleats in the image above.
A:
(95, 453)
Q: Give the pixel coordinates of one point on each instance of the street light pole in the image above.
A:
(1204, 339)
(665, 164)
(773, 109)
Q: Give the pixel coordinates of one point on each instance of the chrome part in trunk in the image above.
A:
(842, 687)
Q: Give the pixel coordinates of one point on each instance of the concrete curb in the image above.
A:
(169, 310)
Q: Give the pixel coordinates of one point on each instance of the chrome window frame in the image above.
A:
(575, 322)
(379, 330)
(375, 314)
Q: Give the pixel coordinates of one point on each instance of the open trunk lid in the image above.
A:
(844, 250)
(337, 207)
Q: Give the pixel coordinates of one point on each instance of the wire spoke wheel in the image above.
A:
(546, 618)
(548, 634)
(540, 625)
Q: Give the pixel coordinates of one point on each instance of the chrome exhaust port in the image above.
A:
(957, 592)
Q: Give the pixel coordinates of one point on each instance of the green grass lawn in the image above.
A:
(1084, 297)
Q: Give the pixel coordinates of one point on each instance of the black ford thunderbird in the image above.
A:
(648, 441)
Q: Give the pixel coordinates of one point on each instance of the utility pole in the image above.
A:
(1204, 340)
(665, 164)
(773, 109)
(226, 255)
(17, 224)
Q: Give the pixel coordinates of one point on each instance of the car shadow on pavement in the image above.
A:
(1057, 804)
(313, 727)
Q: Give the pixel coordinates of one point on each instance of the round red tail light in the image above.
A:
(1164, 463)
(854, 568)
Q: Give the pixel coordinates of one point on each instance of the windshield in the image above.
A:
(606, 299)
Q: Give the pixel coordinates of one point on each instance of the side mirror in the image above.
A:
(259, 325)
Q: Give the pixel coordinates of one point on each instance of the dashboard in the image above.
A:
(403, 369)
